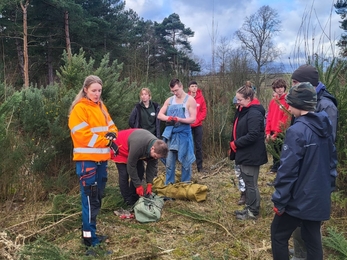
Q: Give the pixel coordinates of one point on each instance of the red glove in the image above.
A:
(233, 146)
(139, 190)
(278, 212)
(173, 118)
(149, 188)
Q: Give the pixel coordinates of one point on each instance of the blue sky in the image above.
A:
(317, 33)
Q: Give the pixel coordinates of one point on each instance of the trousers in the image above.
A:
(282, 228)
(126, 186)
(250, 176)
(197, 138)
(92, 180)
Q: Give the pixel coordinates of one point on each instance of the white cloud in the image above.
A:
(301, 20)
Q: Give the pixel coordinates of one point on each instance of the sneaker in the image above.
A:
(246, 216)
(240, 212)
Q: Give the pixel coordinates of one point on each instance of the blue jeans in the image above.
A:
(171, 169)
(92, 178)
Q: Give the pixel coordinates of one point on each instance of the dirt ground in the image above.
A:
(186, 230)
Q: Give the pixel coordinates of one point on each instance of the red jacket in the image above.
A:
(277, 118)
(123, 146)
(201, 109)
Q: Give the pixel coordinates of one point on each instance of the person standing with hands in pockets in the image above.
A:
(201, 112)
(92, 133)
(179, 111)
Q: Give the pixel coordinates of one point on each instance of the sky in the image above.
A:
(310, 26)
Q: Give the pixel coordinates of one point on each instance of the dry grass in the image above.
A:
(186, 230)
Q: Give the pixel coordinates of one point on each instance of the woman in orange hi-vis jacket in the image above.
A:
(92, 132)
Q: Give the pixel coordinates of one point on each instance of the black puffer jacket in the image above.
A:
(248, 135)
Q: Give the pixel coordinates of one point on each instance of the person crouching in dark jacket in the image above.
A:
(306, 175)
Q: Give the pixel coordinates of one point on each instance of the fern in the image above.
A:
(41, 249)
(337, 242)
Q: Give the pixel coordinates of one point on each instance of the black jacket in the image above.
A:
(249, 139)
(135, 117)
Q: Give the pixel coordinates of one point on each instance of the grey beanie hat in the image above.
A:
(306, 73)
(302, 96)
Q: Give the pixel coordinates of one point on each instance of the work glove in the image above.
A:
(114, 147)
(149, 189)
(172, 121)
(111, 136)
(278, 212)
(233, 146)
(139, 190)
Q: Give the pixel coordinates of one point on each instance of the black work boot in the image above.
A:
(242, 200)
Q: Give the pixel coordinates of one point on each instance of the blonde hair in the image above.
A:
(248, 83)
(246, 92)
(148, 92)
(89, 80)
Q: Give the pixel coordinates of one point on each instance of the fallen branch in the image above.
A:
(223, 161)
(52, 225)
(143, 255)
(203, 219)
(212, 174)
(37, 217)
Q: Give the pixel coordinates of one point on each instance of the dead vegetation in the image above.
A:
(186, 230)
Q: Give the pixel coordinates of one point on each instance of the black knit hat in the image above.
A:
(306, 73)
(302, 96)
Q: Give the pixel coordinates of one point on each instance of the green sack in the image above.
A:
(148, 209)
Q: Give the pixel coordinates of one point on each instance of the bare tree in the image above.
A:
(256, 36)
(222, 54)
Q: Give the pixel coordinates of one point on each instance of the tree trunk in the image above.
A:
(25, 44)
(50, 63)
(67, 35)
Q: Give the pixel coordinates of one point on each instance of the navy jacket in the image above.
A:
(328, 103)
(308, 168)
(249, 135)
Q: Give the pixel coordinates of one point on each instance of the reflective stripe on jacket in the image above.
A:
(88, 128)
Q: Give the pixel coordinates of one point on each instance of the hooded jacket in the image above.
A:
(201, 109)
(248, 135)
(277, 118)
(88, 127)
(328, 103)
(307, 169)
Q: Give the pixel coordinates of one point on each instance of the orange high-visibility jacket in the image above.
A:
(88, 128)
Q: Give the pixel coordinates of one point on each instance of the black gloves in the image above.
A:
(114, 148)
(111, 136)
